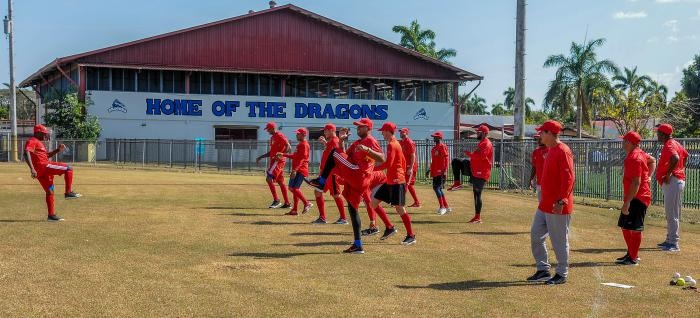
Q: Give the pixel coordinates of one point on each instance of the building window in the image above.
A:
(242, 84)
(195, 83)
(168, 81)
(233, 133)
(205, 80)
(384, 90)
(92, 79)
(253, 84)
(315, 133)
(129, 80)
(154, 81)
(104, 79)
(179, 82)
(117, 79)
(142, 78)
(231, 83)
(219, 80)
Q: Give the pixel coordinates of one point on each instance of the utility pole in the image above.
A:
(13, 92)
(519, 111)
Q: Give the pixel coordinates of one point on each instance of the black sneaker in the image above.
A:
(621, 259)
(72, 195)
(275, 204)
(369, 231)
(341, 221)
(409, 240)
(316, 183)
(319, 221)
(285, 206)
(540, 276)
(663, 244)
(354, 249)
(388, 233)
(628, 261)
(671, 248)
(54, 218)
(556, 280)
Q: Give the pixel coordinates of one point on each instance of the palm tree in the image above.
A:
(498, 110)
(631, 83)
(509, 101)
(577, 76)
(422, 41)
(474, 105)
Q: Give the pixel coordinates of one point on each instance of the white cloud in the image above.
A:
(672, 39)
(630, 15)
(653, 40)
(672, 25)
(676, 1)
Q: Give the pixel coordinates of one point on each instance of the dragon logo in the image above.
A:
(421, 114)
(117, 106)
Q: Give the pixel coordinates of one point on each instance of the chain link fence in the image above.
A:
(598, 163)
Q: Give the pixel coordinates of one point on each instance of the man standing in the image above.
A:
(300, 170)
(637, 196)
(408, 146)
(275, 170)
(553, 214)
(37, 158)
(356, 168)
(481, 162)
(439, 157)
(332, 143)
(670, 174)
(537, 161)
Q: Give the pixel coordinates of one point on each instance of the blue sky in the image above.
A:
(658, 36)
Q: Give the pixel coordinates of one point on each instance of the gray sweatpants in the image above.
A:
(556, 226)
(673, 201)
(539, 193)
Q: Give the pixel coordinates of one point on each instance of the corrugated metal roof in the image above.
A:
(281, 40)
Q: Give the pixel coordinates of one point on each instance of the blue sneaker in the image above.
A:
(671, 248)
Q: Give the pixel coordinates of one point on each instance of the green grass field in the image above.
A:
(164, 243)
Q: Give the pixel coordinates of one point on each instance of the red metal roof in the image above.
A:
(281, 40)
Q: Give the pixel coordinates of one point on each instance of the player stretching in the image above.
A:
(300, 170)
(332, 142)
(440, 157)
(481, 159)
(275, 171)
(408, 146)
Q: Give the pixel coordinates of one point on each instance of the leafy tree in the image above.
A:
(68, 115)
(422, 41)
(499, 110)
(690, 84)
(474, 105)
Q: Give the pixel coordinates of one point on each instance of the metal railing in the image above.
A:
(598, 164)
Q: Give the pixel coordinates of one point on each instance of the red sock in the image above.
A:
(407, 223)
(440, 202)
(626, 235)
(296, 198)
(382, 215)
(302, 197)
(321, 207)
(49, 204)
(341, 207)
(412, 191)
(636, 240)
(68, 177)
(273, 190)
(370, 210)
(283, 187)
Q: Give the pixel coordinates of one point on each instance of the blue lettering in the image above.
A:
(341, 111)
(381, 112)
(368, 111)
(328, 111)
(179, 106)
(277, 109)
(355, 111)
(314, 110)
(152, 106)
(167, 107)
(218, 108)
(194, 108)
(251, 108)
(300, 110)
(231, 107)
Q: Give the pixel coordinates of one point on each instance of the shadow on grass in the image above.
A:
(433, 222)
(316, 244)
(230, 208)
(269, 223)
(316, 234)
(21, 221)
(493, 233)
(246, 214)
(574, 265)
(610, 250)
(277, 255)
(476, 284)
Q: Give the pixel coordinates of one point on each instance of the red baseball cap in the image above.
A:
(41, 129)
(633, 137)
(665, 128)
(405, 130)
(388, 126)
(270, 125)
(302, 131)
(364, 122)
(438, 134)
(483, 128)
(552, 126)
(329, 126)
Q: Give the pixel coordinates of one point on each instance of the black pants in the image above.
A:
(460, 167)
(478, 187)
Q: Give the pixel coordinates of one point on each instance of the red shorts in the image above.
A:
(333, 185)
(356, 183)
(45, 176)
(377, 178)
(276, 170)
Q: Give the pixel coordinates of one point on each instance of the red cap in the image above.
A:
(405, 130)
(552, 126)
(270, 125)
(364, 122)
(41, 129)
(665, 128)
(329, 126)
(438, 134)
(632, 137)
(483, 128)
(302, 131)
(388, 126)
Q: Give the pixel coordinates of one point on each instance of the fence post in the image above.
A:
(158, 152)
(607, 174)
(250, 153)
(170, 154)
(500, 162)
(231, 166)
(585, 171)
(143, 154)
(119, 147)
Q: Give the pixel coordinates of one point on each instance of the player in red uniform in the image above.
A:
(537, 161)
(275, 170)
(440, 157)
(481, 163)
(332, 142)
(300, 170)
(43, 170)
(408, 146)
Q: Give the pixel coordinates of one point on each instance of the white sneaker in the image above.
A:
(449, 210)
(442, 211)
(307, 208)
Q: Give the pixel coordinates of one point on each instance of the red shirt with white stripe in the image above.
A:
(360, 158)
(333, 143)
(558, 177)
(37, 154)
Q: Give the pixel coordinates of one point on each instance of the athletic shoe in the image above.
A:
(455, 187)
(369, 231)
(475, 220)
(292, 213)
(307, 208)
(449, 210)
(316, 183)
(414, 205)
(663, 244)
(619, 260)
(319, 221)
(442, 211)
(72, 195)
(54, 218)
(628, 261)
(341, 221)
(286, 206)
(274, 205)
(556, 280)
(671, 248)
(388, 233)
(409, 240)
(540, 276)
(354, 249)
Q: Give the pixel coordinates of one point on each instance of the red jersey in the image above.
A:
(278, 142)
(440, 158)
(481, 159)
(37, 154)
(671, 148)
(558, 177)
(636, 166)
(356, 156)
(408, 147)
(333, 143)
(537, 158)
(394, 163)
(300, 158)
